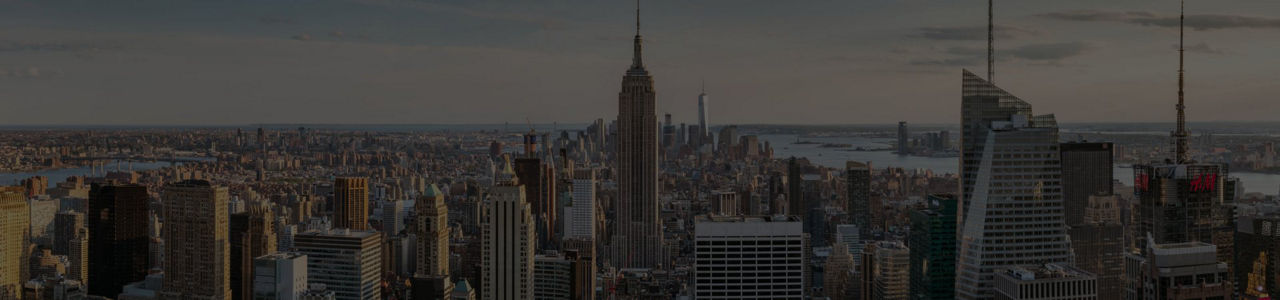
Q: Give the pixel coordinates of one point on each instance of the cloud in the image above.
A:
(1201, 47)
(969, 33)
(1049, 52)
(1196, 22)
(54, 46)
(949, 62)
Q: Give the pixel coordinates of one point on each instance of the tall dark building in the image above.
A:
(117, 221)
(933, 249)
(638, 240)
(904, 139)
(795, 188)
(1257, 269)
(1086, 171)
(252, 234)
(858, 177)
(539, 181)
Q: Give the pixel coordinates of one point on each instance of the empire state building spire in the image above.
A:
(636, 61)
(1180, 136)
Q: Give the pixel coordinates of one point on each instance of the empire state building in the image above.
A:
(637, 238)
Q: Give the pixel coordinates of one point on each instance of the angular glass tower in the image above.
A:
(1012, 212)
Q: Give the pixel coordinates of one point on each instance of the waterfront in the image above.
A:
(836, 157)
(58, 175)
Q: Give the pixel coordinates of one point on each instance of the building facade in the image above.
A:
(118, 222)
(1048, 282)
(1011, 208)
(508, 241)
(722, 244)
(933, 249)
(351, 203)
(279, 276)
(347, 262)
(638, 241)
(196, 243)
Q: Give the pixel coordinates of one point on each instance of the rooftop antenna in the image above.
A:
(991, 41)
(1180, 136)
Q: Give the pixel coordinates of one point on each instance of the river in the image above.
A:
(58, 175)
(836, 158)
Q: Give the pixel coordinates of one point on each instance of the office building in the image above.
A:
(253, 234)
(1178, 271)
(704, 105)
(42, 211)
(13, 241)
(837, 276)
(1010, 167)
(886, 271)
(279, 276)
(65, 225)
(432, 230)
(725, 203)
(933, 249)
(858, 186)
(1048, 282)
(1181, 200)
(638, 241)
(347, 262)
(580, 220)
(850, 235)
(721, 243)
(393, 213)
(1257, 270)
(118, 237)
(539, 180)
(904, 139)
(351, 203)
(552, 276)
(196, 246)
(78, 256)
(1099, 243)
(509, 242)
(1086, 171)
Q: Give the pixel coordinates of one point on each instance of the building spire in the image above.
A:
(704, 86)
(991, 41)
(1180, 136)
(636, 62)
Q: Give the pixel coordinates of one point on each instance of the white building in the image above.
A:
(279, 276)
(749, 258)
(581, 219)
(1048, 282)
(347, 262)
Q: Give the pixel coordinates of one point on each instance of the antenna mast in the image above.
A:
(1180, 136)
(991, 41)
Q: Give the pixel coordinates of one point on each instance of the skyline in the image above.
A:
(287, 63)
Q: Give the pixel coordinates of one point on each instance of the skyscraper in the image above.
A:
(348, 262)
(933, 249)
(778, 271)
(539, 179)
(1010, 167)
(196, 247)
(858, 177)
(432, 230)
(638, 240)
(886, 271)
(1086, 171)
(1180, 200)
(704, 102)
(118, 224)
(13, 240)
(581, 219)
(508, 238)
(904, 139)
(252, 234)
(351, 203)
(279, 276)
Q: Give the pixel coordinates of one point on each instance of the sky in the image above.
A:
(230, 62)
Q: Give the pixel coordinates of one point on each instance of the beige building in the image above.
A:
(13, 238)
(196, 248)
(508, 241)
(433, 233)
(351, 203)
